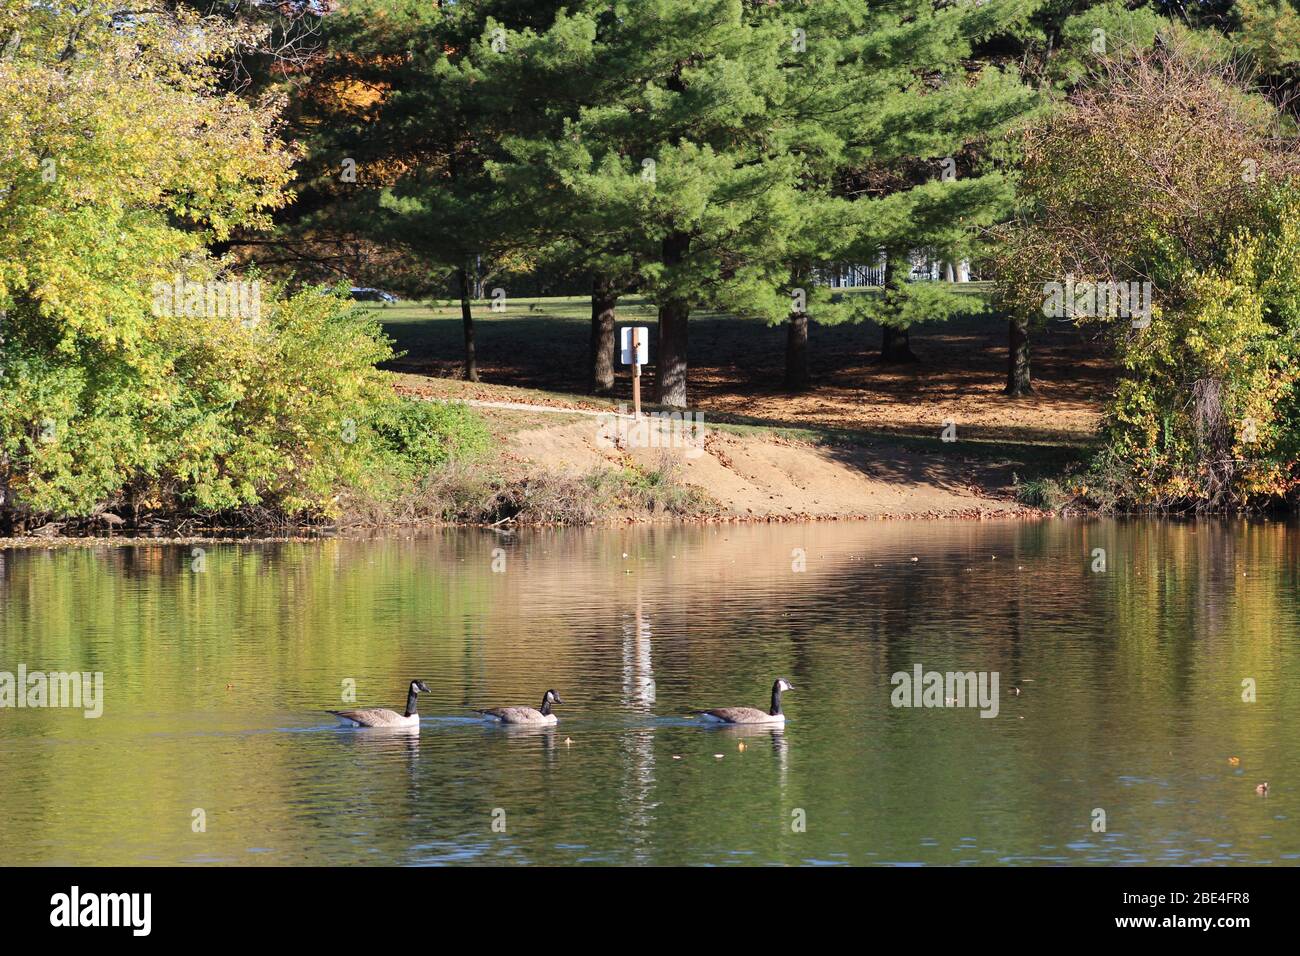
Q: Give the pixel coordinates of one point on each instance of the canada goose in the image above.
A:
(382, 716)
(751, 715)
(525, 715)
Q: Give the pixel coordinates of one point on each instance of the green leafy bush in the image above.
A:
(1165, 171)
(214, 415)
(425, 435)
(125, 382)
(1205, 412)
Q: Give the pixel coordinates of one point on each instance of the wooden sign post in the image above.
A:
(636, 379)
(636, 350)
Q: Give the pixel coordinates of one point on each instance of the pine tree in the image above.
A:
(719, 153)
(574, 212)
(928, 97)
(747, 145)
(410, 125)
(670, 172)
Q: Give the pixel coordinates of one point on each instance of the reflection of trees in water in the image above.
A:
(637, 793)
(638, 672)
(638, 747)
(1105, 659)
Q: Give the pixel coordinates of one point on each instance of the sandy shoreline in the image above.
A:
(749, 475)
(414, 530)
(756, 476)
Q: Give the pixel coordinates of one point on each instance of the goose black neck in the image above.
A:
(776, 701)
(546, 706)
(411, 697)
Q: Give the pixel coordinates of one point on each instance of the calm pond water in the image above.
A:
(215, 680)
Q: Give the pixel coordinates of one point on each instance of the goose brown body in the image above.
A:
(742, 715)
(751, 715)
(524, 715)
(376, 717)
(382, 716)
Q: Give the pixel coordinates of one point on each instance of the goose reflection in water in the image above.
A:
(752, 735)
(546, 735)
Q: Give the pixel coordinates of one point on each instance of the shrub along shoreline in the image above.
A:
(285, 421)
(427, 465)
(1205, 417)
(460, 493)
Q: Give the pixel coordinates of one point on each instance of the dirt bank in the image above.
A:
(765, 476)
(747, 473)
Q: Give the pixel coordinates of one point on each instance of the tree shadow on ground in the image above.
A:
(737, 369)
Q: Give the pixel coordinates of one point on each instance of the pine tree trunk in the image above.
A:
(603, 301)
(796, 352)
(1018, 379)
(467, 319)
(896, 346)
(895, 343)
(670, 363)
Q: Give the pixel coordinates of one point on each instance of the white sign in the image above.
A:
(642, 345)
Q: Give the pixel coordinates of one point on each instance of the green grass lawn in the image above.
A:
(431, 328)
(630, 308)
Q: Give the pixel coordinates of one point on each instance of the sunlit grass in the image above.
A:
(573, 308)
